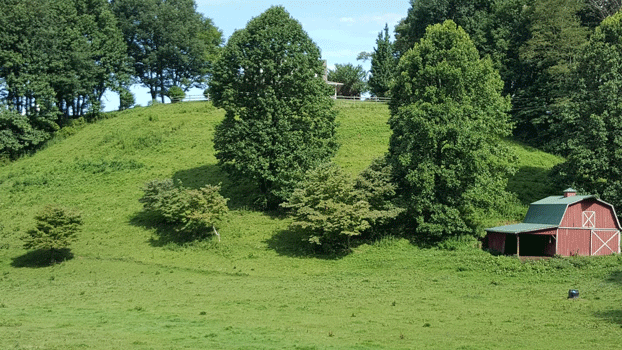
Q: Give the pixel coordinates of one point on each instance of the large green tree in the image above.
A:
(279, 119)
(170, 43)
(383, 65)
(447, 118)
(352, 77)
(556, 40)
(592, 120)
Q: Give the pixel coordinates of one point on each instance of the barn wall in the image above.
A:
(496, 241)
(573, 242)
(604, 214)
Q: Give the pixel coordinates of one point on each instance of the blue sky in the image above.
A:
(341, 28)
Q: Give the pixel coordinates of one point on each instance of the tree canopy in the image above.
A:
(383, 64)
(352, 77)
(279, 119)
(592, 119)
(447, 116)
(170, 43)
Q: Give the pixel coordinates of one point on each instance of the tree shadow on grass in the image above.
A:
(42, 258)
(296, 244)
(165, 234)
(613, 316)
(242, 194)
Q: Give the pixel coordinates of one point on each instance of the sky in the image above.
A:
(341, 29)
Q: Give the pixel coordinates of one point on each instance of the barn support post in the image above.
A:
(517, 244)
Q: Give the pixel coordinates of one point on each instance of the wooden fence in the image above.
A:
(346, 98)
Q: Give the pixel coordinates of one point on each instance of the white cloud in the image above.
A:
(348, 20)
(391, 18)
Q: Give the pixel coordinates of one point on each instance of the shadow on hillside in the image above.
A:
(241, 193)
(165, 234)
(42, 258)
(531, 184)
(615, 277)
(296, 244)
(613, 316)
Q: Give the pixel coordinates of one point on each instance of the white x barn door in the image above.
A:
(605, 242)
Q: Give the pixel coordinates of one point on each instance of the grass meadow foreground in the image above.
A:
(129, 284)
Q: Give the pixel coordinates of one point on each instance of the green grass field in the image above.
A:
(129, 287)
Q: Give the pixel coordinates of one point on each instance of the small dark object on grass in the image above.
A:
(573, 294)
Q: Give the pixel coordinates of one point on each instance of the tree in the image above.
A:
(473, 16)
(17, 134)
(383, 65)
(555, 42)
(592, 120)
(58, 55)
(192, 212)
(447, 118)
(279, 120)
(325, 206)
(352, 77)
(55, 230)
(604, 8)
(170, 42)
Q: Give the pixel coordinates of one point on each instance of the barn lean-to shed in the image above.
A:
(564, 225)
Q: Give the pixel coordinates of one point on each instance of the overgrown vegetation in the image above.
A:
(194, 212)
(55, 229)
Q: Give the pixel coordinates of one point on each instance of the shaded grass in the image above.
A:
(129, 286)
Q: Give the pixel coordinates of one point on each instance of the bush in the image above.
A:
(126, 99)
(176, 94)
(326, 208)
(192, 212)
(56, 229)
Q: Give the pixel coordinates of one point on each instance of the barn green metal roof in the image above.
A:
(550, 210)
(543, 214)
(520, 228)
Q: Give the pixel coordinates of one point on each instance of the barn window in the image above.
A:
(589, 219)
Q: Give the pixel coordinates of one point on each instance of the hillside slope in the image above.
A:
(129, 286)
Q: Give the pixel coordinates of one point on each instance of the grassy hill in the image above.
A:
(128, 287)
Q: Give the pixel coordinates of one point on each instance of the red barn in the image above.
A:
(564, 225)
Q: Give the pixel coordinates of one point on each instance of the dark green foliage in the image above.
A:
(557, 38)
(447, 118)
(473, 16)
(195, 213)
(126, 99)
(352, 77)
(383, 65)
(170, 43)
(176, 94)
(592, 120)
(376, 186)
(17, 134)
(58, 55)
(279, 118)
(325, 206)
(55, 229)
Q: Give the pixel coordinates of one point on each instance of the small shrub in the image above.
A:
(192, 212)
(326, 208)
(55, 229)
(176, 94)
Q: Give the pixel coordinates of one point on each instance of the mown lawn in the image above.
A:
(127, 286)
